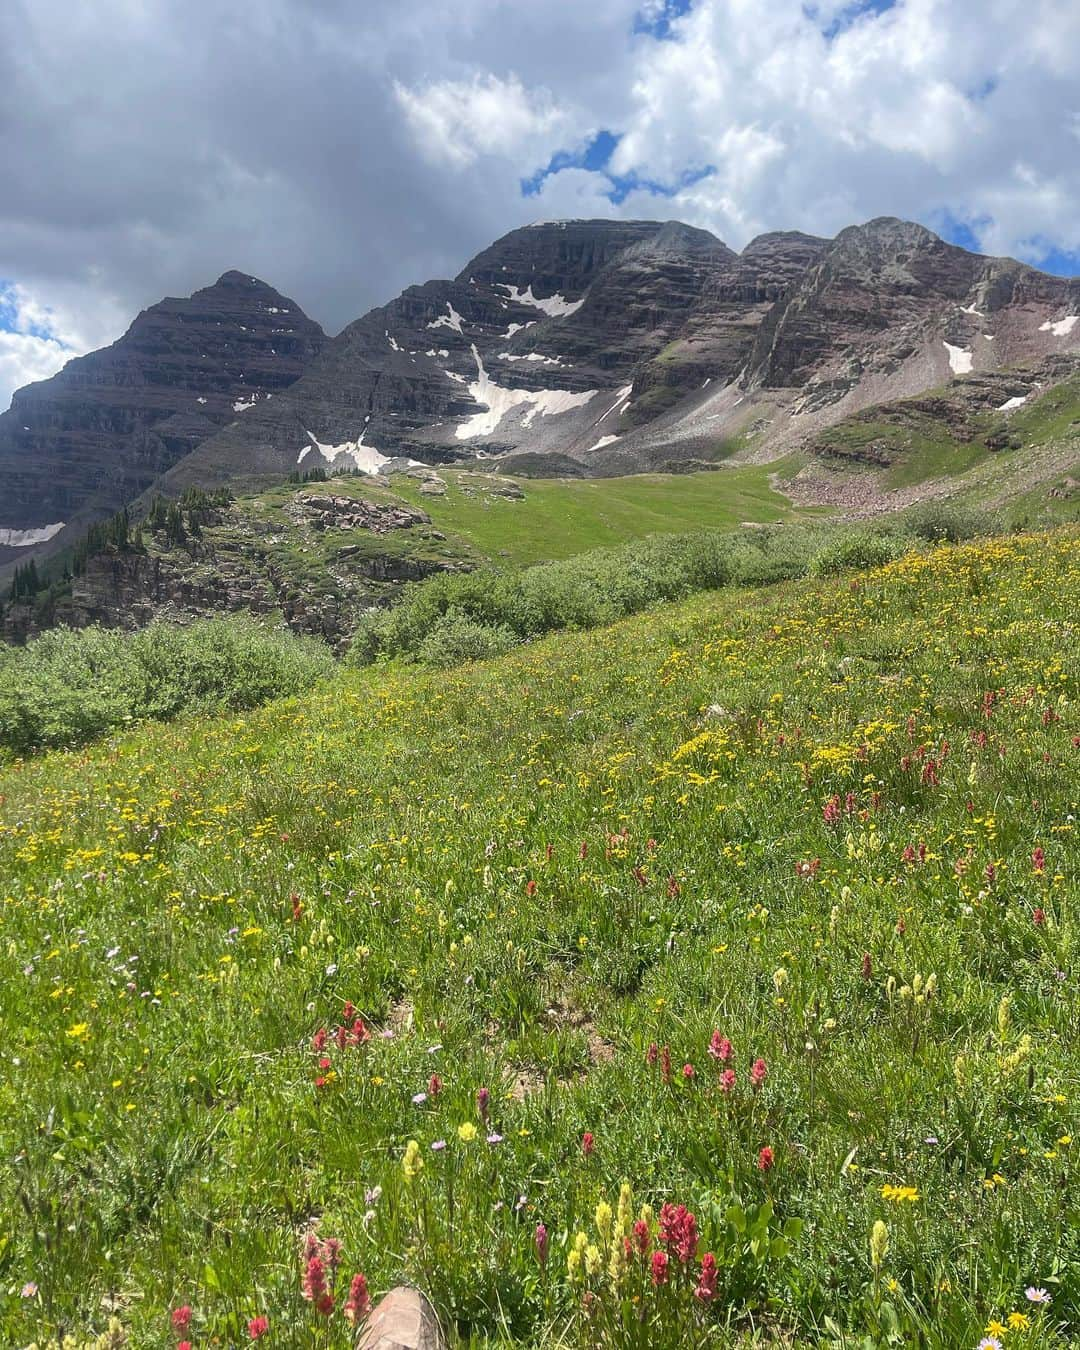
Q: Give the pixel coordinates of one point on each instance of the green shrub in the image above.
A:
(455, 638)
(944, 522)
(66, 687)
(480, 613)
(581, 592)
(856, 550)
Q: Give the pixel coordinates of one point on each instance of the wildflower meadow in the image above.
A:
(707, 979)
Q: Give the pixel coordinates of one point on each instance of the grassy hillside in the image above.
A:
(519, 521)
(388, 964)
(1023, 460)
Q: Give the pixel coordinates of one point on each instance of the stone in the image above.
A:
(402, 1320)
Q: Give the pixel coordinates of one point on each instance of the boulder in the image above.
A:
(403, 1320)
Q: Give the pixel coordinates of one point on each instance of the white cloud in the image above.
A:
(457, 121)
(37, 339)
(24, 358)
(31, 347)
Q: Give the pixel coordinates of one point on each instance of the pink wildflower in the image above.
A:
(678, 1231)
(314, 1286)
(358, 1304)
(258, 1326)
(541, 1242)
(706, 1286)
(758, 1072)
(659, 1268)
(720, 1047)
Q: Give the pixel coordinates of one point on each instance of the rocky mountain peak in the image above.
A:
(675, 240)
(608, 345)
(78, 446)
(561, 256)
(236, 280)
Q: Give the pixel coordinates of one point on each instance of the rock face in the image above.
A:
(525, 351)
(604, 347)
(350, 513)
(318, 564)
(79, 446)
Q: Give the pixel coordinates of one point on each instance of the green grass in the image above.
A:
(917, 446)
(774, 817)
(561, 517)
(915, 451)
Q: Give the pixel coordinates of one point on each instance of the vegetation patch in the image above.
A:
(311, 993)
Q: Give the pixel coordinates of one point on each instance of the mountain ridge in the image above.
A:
(585, 347)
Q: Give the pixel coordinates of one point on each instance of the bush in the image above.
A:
(456, 638)
(66, 687)
(479, 614)
(944, 522)
(491, 610)
(859, 549)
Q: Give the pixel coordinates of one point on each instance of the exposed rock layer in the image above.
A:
(79, 446)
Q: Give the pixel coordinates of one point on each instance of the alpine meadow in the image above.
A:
(540, 675)
(699, 979)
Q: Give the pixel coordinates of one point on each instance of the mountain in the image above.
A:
(570, 348)
(79, 446)
(608, 347)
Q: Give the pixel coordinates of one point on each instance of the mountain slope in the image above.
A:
(628, 346)
(569, 348)
(543, 324)
(81, 445)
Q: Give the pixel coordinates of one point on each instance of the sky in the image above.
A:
(344, 150)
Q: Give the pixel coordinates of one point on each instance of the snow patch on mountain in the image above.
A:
(554, 305)
(450, 320)
(1062, 328)
(623, 397)
(25, 538)
(500, 402)
(366, 458)
(959, 359)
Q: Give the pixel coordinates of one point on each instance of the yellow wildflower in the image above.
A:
(412, 1164)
